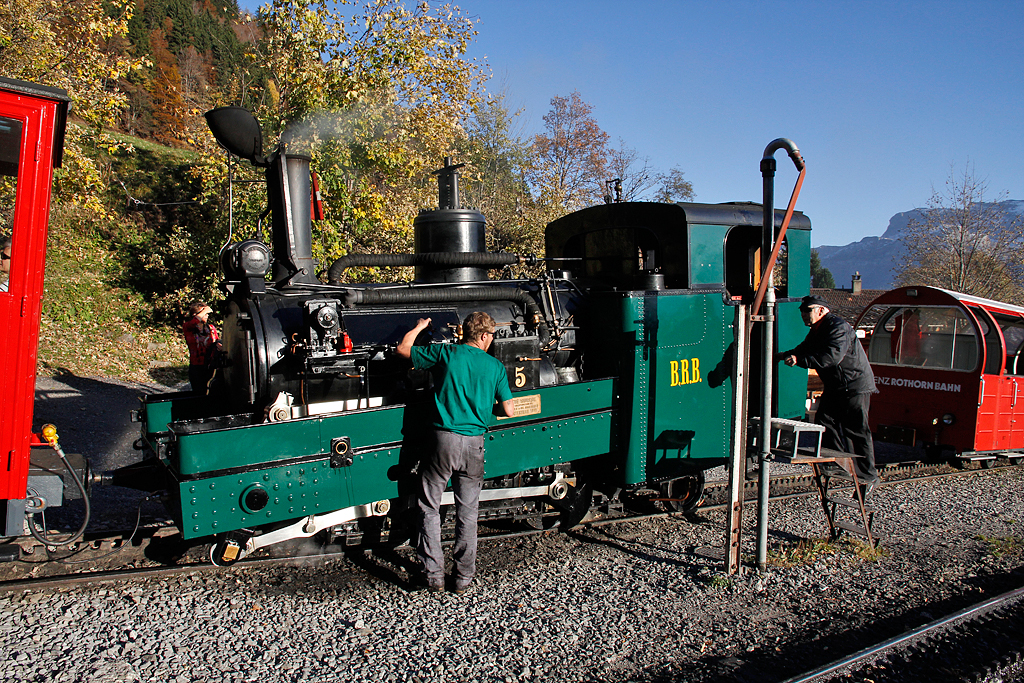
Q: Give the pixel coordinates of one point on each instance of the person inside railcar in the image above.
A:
(5, 261)
(203, 343)
(905, 342)
(469, 386)
(832, 349)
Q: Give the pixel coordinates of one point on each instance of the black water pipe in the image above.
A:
(442, 258)
(768, 167)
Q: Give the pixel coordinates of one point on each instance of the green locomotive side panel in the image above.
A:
(682, 397)
(515, 449)
(222, 449)
(707, 261)
(241, 447)
(215, 504)
(237, 447)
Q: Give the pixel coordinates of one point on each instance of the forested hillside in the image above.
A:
(377, 92)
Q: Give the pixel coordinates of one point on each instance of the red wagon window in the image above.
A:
(938, 337)
(1013, 333)
(10, 156)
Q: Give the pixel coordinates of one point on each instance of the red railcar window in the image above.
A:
(940, 337)
(10, 155)
(1013, 332)
(993, 344)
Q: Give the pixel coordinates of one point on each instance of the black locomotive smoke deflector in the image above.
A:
(237, 131)
(443, 259)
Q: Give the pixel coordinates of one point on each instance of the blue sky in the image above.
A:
(881, 97)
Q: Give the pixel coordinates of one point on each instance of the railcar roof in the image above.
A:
(34, 89)
(886, 299)
(739, 213)
(980, 301)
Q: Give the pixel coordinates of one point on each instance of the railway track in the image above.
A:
(154, 552)
(982, 643)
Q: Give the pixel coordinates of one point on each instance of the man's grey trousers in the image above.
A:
(461, 459)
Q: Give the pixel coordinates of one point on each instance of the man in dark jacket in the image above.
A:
(832, 349)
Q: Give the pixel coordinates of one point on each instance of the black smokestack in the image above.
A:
(288, 190)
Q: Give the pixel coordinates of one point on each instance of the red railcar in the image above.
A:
(32, 122)
(950, 372)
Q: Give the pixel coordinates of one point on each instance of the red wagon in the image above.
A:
(32, 121)
(950, 373)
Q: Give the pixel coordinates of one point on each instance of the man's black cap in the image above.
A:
(814, 300)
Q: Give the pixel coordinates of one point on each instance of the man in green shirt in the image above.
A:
(467, 382)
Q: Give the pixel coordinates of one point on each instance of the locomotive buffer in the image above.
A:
(824, 463)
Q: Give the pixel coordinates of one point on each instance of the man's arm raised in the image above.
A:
(405, 346)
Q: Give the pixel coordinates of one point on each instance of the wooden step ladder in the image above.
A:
(833, 504)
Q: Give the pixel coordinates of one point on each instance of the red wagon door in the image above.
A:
(32, 120)
(996, 394)
(1011, 418)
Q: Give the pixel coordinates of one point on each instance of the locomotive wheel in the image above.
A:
(582, 498)
(684, 494)
(572, 510)
(988, 464)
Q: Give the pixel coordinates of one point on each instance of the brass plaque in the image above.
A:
(524, 405)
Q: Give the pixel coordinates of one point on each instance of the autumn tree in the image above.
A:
(166, 91)
(571, 157)
(963, 243)
(494, 180)
(673, 187)
(77, 45)
(378, 96)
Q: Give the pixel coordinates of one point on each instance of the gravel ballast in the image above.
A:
(637, 601)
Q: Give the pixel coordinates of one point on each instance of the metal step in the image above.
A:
(856, 529)
(848, 502)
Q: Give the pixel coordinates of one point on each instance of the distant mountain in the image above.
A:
(875, 257)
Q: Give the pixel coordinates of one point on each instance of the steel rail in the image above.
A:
(875, 650)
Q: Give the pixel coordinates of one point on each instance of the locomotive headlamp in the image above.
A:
(247, 260)
(253, 258)
(237, 131)
(948, 419)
